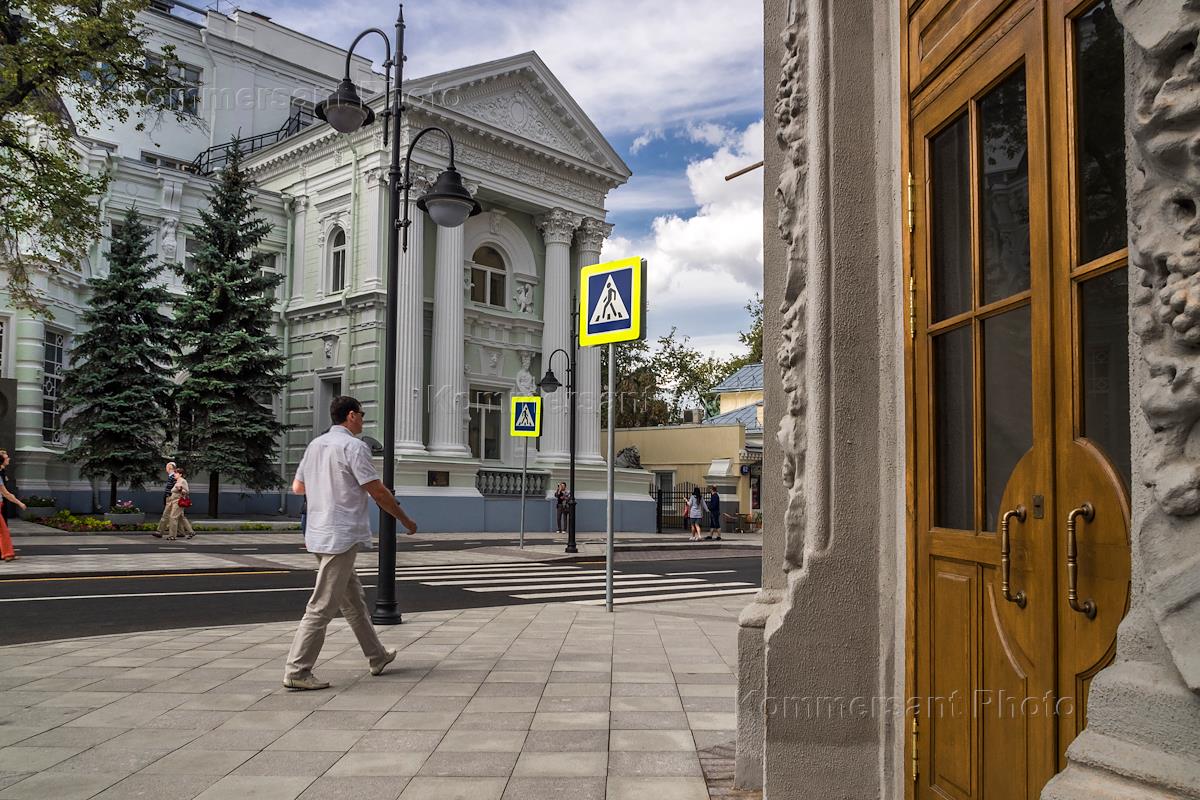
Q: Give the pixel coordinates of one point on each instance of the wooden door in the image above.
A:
(983, 395)
(1019, 389)
(1091, 332)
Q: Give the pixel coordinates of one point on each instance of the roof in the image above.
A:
(746, 416)
(747, 378)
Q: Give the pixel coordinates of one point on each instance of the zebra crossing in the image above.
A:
(572, 583)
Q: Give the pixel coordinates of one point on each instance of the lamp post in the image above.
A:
(448, 204)
(549, 383)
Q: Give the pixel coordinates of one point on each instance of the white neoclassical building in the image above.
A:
(481, 306)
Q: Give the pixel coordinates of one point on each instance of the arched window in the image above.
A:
(489, 277)
(337, 260)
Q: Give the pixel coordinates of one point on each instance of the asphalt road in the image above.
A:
(403, 544)
(39, 609)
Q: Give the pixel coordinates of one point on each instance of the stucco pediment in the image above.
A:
(520, 96)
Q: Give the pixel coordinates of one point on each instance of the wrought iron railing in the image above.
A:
(494, 482)
(215, 157)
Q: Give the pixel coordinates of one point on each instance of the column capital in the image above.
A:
(558, 225)
(592, 233)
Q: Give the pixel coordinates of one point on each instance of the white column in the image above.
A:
(447, 395)
(590, 238)
(558, 226)
(410, 350)
(300, 249)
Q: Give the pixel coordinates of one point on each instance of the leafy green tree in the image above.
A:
(65, 63)
(119, 386)
(230, 357)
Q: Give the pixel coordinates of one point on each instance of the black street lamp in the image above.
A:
(448, 204)
(549, 384)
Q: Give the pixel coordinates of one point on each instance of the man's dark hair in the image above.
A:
(341, 407)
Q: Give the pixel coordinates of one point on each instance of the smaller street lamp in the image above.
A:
(549, 384)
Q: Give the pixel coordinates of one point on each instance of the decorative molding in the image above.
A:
(517, 111)
(168, 238)
(1165, 311)
(591, 234)
(791, 113)
(558, 226)
(523, 296)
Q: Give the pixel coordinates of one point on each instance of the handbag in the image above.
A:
(185, 502)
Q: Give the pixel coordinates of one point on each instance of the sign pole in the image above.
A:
(612, 460)
(524, 466)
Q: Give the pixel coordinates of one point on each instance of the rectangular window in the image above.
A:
(186, 98)
(190, 248)
(484, 426)
(53, 364)
(166, 162)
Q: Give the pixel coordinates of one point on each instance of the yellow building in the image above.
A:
(724, 451)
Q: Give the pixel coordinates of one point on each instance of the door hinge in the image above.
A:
(912, 194)
(912, 308)
(915, 761)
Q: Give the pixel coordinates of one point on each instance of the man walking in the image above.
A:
(336, 477)
(165, 519)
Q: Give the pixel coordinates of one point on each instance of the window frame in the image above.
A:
(489, 272)
(484, 409)
(52, 436)
(337, 258)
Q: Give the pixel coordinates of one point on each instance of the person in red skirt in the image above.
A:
(6, 546)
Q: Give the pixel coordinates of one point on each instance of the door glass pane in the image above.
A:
(1104, 339)
(1100, 115)
(1007, 402)
(950, 219)
(1004, 189)
(478, 285)
(953, 430)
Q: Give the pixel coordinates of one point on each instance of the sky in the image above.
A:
(676, 87)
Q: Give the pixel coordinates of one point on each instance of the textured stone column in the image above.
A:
(558, 227)
(300, 249)
(447, 395)
(590, 238)
(410, 360)
(1142, 741)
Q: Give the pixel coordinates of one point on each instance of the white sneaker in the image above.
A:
(307, 683)
(388, 657)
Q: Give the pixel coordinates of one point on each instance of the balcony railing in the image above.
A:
(212, 159)
(507, 482)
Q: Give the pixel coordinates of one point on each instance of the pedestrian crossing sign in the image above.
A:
(526, 417)
(612, 302)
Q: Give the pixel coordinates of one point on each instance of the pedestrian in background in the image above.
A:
(562, 506)
(337, 477)
(165, 519)
(179, 501)
(6, 546)
(696, 508)
(714, 514)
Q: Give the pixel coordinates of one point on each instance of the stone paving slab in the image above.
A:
(530, 701)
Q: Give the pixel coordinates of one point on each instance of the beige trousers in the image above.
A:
(176, 520)
(165, 519)
(338, 588)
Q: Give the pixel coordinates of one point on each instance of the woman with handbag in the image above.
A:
(180, 499)
(6, 545)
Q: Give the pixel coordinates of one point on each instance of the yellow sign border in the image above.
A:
(637, 306)
(512, 417)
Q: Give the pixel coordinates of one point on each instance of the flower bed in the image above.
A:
(66, 521)
(37, 508)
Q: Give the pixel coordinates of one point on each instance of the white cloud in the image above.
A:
(633, 65)
(708, 133)
(714, 256)
(651, 191)
(644, 138)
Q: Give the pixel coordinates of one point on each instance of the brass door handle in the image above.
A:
(1087, 607)
(1005, 546)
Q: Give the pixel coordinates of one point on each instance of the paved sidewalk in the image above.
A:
(526, 702)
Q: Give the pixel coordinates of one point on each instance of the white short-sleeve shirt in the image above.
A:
(335, 467)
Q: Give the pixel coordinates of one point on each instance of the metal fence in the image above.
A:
(672, 506)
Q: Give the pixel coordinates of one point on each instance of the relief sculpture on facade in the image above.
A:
(1164, 230)
(790, 115)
